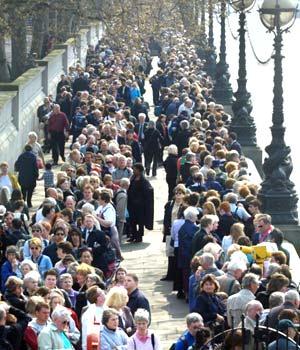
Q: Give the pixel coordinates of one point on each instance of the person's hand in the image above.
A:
(220, 318)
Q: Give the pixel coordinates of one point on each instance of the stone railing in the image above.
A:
(20, 99)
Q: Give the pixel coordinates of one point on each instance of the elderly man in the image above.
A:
(236, 303)
(253, 309)
(263, 228)
(58, 124)
(187, 106)
(194, 323)
(61, 333)
(120, 201)
(140, 128)
(121, 171)
(238, 211)
(229, 282)
(208, 266)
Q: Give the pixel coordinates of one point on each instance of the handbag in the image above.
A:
(93, 337)
(157, 111)
(39, 163)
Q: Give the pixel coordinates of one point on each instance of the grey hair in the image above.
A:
(251, 304)
(107, 315)
(141, 315)
(60, 312)
(184, 124)
(193, 317)
(248, 279)
(64, 276)
(276, 299)
(124, 182)
(88, 208)
(172, 149)
(207, 259)
(236, 265)
(191, 213)
(291, 296)
(232, 198)
(273, 267)
(32, 133)
(32, 276)
(189, 156)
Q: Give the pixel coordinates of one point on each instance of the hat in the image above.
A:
(284, 324)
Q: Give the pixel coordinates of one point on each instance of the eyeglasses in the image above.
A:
(109, 162)
(59, 234)
(65, 322)
(35, 230)
(35, 248)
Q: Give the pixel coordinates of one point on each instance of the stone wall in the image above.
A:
(20, 99)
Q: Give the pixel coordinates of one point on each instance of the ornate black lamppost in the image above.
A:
(277, 192)
(242, 122)
(211, 50)
(222, 91)
(202, 46)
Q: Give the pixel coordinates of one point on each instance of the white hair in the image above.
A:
(207, 259)
(60, 312)
(291, 296)
(236, 265)
(32, 133)
(172, 149)
(191, 213)
(32, 276)
(88, 208)
(141, 315)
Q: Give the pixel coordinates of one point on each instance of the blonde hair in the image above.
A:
(84, 269)
(116, 298)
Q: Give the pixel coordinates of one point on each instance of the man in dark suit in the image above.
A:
(233, 144)
(140, 128)
(123, 93)
(135, 147)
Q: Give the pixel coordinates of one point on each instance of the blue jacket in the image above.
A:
(185, 237)
(208, 306)
(185, 341)
(113, 339)
(44, 264)
(6, 271)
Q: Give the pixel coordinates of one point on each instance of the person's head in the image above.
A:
(262, 222)
(59, 235)
(4, 168)
(14, 285)
(131, 282)
(27, 266)
(66, 281)
(64, 248)
(116, 298)
(42, 312)
(194, 322)
(191, 214)
(96, 295)
(48, 211)
(279, 258)
(88, 192)
(287, 326)
(292, 297)
(120, 275)
(89, 221)
(86, 256)
(110, 319)
(37, 230)
(50, 278)
(237, 231)
(251, 282)
(172, 150)
(237, 268)
(278, 283)
(207, 261)
(11, 253)
(276, 236)
(276, 299)
(234, 340)
(141, 318)
(31, 281)
(56, 298)
(138, 169)
(224, 208)
(82, 271)
(254, 308)
(289, 314)
(209, 284)
(35, 246)
(206, 222)
(61, 318)
(254, 207)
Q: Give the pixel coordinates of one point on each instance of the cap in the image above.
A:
(284, 324)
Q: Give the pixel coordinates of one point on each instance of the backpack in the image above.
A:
(79, 122)
(185, 343)
(235, 216)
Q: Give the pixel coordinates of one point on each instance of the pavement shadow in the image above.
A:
(129, 247)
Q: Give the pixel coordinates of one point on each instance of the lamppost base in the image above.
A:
(281, 205)
(223, 95)
(245, 130)
(255, 154)
(291, 234)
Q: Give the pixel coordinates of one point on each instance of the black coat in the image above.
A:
(80, 84)
(170, 165)
(141, 202)
(153, 141)
(181, 140)
(208, 306)
(26, 165)
(50, 251)
(137, 300)
(167, 224)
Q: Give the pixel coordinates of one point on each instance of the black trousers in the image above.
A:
(27, 192)
(57, 145)
(151, 156)
(171, 184)
(137, 230)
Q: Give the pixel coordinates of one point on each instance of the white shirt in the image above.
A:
(92, 314)
(175, 229)
(108, 213)
(5, 181)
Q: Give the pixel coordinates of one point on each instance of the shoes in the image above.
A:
(166, 279)
(55, 163)
(63, 159)
(138, 240)
(131, 239)
(180, 295)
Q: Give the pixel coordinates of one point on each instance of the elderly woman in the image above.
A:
(143, 338)
(208, 304)
(185, 237)
(59, 334)
(31, 283)
(112, 337)
(42, 261)
(170, 165)
(117, 299)
(27, 266)
(36, 147)
(66, 283)
(14, 293)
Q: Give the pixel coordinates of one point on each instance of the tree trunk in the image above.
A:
(40, 30)
(4, 73)
(18, 45)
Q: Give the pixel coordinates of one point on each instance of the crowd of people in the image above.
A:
(62, 280)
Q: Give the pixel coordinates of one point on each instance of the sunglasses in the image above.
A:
(34, 248)
(109, 162)
(35, 230)
(59, 234)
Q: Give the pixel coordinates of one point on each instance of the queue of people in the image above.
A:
(61, 280)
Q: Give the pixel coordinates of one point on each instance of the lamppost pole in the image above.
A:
(242, 122)
(222, 91)
(202, 37)
(210, 51)
(277, 193)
